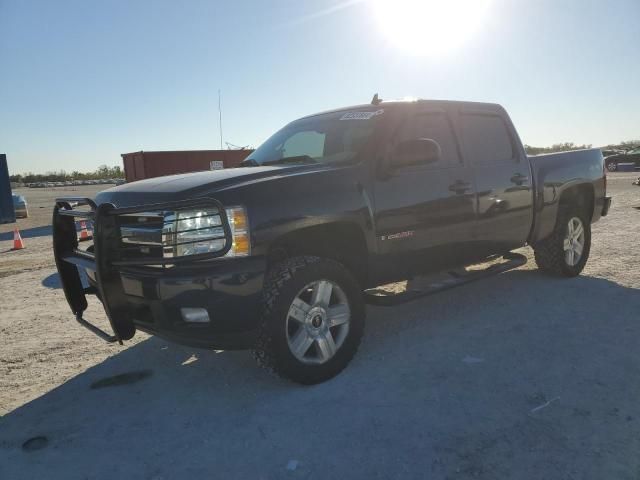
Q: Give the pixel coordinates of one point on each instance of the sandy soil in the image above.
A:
(41, 345)
(41, 200)
(36, 229)
(516, 376)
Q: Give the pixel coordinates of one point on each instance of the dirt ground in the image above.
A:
(517, 376)
(36, 229)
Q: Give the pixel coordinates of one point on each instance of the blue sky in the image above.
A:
(83, 81)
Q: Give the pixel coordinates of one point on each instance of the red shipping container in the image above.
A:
(140, 165)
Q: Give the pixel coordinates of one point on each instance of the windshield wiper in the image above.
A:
(250, 162)
(296, 159)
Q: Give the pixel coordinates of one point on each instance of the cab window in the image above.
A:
(437, 127)
(486, 139)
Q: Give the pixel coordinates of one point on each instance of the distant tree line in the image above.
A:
(568, 146)
(556, 147)
(103, 172)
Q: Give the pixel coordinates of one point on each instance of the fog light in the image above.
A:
(195, 315)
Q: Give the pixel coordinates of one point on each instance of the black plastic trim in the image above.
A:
(107, 244)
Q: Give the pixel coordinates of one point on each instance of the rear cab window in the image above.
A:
(486, 138)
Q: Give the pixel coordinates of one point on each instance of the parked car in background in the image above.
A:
(20, 206)
(609, 152)
(630, 156)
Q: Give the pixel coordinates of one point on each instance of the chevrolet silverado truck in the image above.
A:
(276, 255)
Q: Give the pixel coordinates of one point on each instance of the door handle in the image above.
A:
(519, 179)
(459, 187)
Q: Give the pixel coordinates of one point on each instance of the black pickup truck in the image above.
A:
(275, 255)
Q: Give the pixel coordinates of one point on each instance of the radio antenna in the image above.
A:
(220, 116)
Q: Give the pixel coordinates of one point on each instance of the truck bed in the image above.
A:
(557, 173)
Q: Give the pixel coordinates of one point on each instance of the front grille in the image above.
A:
(162, 235)
(141, 236)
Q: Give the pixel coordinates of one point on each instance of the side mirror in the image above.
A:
(416, 152)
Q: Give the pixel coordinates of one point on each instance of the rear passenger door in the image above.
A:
(425, 213)
(502, 177)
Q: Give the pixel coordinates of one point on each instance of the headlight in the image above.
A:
(193, 232)
(187, 232)
(200, 231)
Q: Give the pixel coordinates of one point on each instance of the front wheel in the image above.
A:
(566, 251)
(312, 321)
(612, 166)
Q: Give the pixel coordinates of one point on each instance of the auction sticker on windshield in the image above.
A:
(361, 115)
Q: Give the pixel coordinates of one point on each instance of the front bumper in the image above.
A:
(148, 296)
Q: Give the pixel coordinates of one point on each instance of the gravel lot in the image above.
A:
(518, 376)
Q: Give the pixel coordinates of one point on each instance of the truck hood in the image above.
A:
(190, 185)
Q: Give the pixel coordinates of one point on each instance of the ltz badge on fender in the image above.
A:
(398, 236)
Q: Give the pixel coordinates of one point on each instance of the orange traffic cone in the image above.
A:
(18, 244)
(84, 233)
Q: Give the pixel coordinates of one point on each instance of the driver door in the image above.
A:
(425, 213)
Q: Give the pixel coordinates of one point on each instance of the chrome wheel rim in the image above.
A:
(318, 322)
(574, 242)
(612, 166)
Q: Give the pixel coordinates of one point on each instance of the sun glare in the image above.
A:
(430, 27)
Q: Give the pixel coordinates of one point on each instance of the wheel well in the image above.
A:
(340, 241)
(581, 195)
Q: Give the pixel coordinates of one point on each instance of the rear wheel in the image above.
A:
(566, 251)
(612, 165)
(313, 319)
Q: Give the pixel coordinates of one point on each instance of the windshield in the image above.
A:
(328, 138)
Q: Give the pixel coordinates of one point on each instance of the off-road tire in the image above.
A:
(549, 253)
(282, 283)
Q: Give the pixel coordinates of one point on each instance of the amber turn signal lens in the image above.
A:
(241, 244)
(239, 225)
(239, 220)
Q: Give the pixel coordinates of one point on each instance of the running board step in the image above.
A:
(386, 298)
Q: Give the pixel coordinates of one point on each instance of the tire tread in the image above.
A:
(549, 253)
(264, 351)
